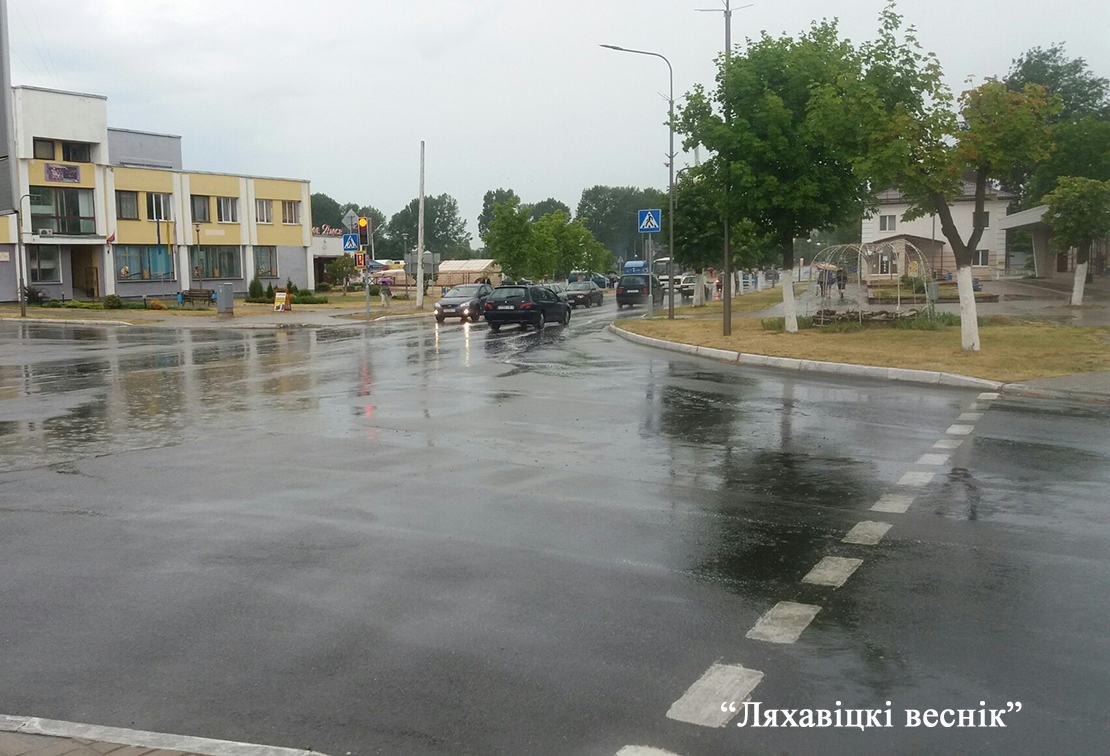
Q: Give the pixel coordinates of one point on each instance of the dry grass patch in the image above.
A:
(1009, 352)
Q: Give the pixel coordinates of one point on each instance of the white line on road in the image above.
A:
(978, 405)
(948, 443)
(915, 479)
(784, 622)
(989, 395)
(832, 571)
(643, 751)
(701, 703)
(867, 533)
(893, 502)
(960, 430)
(933, 459)
(970, 417)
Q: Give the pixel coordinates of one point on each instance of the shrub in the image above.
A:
(779, 324)
(323, 286)
(257, 300)
(291, 287)
(913, 283)
(113, 302)
(270, 293)
(53, 303)
(73, 304)
(308, 299)
(34, 296)
(156, 304)
(254, 289)
(844, 326)
(375, 290)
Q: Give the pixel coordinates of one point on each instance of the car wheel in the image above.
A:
(440, 318)
(566, 317)
(541, 321)
(476, 317)
(495, 327)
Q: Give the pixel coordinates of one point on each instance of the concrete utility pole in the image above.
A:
(420, 237)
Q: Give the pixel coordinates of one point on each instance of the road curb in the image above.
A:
(1037, 392)
(142, 739)
(68, 321)
(929, 377)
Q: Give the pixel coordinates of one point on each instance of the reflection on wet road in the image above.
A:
(434, 539)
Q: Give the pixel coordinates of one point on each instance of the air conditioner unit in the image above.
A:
(46, 232)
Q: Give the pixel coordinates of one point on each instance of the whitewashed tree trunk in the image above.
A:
(1078, 285)
(969, 316)
(699, 291)
(759, 280)
(788, 308)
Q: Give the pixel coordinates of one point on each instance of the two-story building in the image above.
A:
(112, 211)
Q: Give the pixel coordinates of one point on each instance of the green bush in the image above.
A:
(291, 287)
(270, 293)
(254, 289)
(844, 326)
(34, 296)
(375, 290)
(308, 299)
(73, 304)
(113, 302)
(258, 300)
(53, 303)
(323, 286)
(913, 283)
(779, 324)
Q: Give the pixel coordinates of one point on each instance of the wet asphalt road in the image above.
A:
(422, 540)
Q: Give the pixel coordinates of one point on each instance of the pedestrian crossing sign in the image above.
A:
(650, 221)
(350, 242)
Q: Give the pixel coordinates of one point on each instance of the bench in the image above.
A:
(197, 295)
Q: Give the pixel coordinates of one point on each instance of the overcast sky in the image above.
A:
(512, 93)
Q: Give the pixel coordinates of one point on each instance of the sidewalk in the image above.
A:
(299, 317)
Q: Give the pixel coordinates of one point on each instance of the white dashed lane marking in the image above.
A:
(970, 417)
(643, 751)
(867, 533)
(893, 502)
(948, 443)
(832, 571)
(784, 623)
(701, 704)
(932, 459)
(988, 395)
(960, 430)
(915, 479)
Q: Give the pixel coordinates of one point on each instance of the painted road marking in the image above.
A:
(916, 479)
(933, 459)
(784, 622)
(970, 417)
(701, 704)
(643, 751)
(832, 571)
(867, 533)
(988, 395)
(960, 430)
(978, 405)
(893, 502)
(948, 443)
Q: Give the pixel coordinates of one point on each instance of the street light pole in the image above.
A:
(21, 262)
(670, 183)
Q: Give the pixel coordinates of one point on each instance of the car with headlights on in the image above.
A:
(464, 301)
(584, 294)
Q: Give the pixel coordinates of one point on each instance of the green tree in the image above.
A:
(325, 210)
(491, 198)
(786, 126)
(1080, 92)
(509, 238)
(1079, 213)
(444, 229)
(932, 155)
(1082, 148)
(341, 270)
(547, 207)
(610, 213)
(575, 247)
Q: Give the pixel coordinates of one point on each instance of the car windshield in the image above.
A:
(579, 287)
(634, 281)
(508, 292)
(464, 291)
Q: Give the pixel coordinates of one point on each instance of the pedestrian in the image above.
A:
(841, 281)
(386, 294)
(823, 283)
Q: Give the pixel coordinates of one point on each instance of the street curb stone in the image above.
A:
(68, 321)
(930, 377)
(142, 739)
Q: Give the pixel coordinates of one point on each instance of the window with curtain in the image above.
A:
(264, 210)
(143, 263)
(127, 205)
(265, 260)
(227, 209)
(68, 212)
(200, 208)
(216, 261)
(290, 211)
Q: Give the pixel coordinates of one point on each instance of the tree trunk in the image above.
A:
(699, 290)
(789, 310)
(1081, 259)
(969, 316)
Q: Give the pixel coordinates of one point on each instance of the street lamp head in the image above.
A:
(613, 47)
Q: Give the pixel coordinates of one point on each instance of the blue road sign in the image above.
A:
(650, 221)
(350, 242)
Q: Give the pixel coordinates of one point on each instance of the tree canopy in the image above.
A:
(491, 198)
(610, 213)
(549, 206)
(1079, 213)
(551, 245)
(1080, 92)
(444, 229)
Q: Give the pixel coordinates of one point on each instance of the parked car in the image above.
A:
(527, 305)
(584, 293)
(559, 289)
(634, 290)
(578, 275)
(463, 302)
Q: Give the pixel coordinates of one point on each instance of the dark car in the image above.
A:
(584, 293)
(633, 289)
(601, 281)
(527, 305)
(463, 301)
(559, 289)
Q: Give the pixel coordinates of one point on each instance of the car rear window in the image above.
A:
(508, 292)
(634, 281)
(580, 286)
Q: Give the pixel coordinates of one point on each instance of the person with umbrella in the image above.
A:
(386, 292)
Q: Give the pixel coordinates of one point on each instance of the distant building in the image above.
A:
(112, 211)
(1047, 261)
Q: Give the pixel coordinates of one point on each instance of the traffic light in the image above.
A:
(363, 233)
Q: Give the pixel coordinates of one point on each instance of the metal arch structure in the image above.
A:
(864, 262)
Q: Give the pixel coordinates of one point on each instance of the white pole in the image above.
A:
(420, 237)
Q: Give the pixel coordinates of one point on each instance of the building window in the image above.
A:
(44, 149)
(265, 259)
(76, 152)
(264, 209)
(215, 261)
(227, 209)
(291, 211)
(146, 263)
(127, 205)
(984, 219)
(200, 208)
(62, 211)
(887, 222)
(158, 206)
(981, 258)
(45, 264)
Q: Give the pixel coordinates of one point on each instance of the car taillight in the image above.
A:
(489, 306)
(620, 291)
(525, 305)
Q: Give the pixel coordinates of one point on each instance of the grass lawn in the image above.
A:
(754, 302)
(1010, 352)
(378, 312)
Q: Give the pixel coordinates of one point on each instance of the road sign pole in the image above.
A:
(420, 238)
